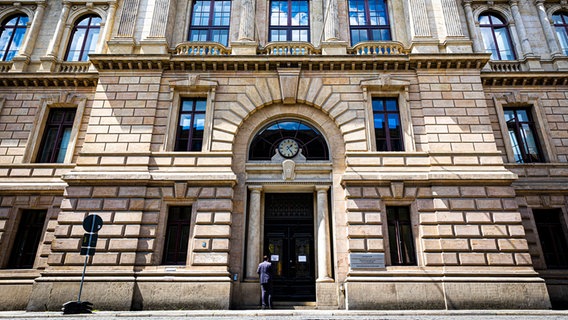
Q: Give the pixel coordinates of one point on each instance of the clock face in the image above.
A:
(288, 148)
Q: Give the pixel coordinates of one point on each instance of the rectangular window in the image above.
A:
(522, 132)
(289, 20)
(551, 230)
(177, 235)
(56, 135)
(191, 125)
(368, 21)
(210, 21)
(30, 231)
(401, 241)
(388, 131)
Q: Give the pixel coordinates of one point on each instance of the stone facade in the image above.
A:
(472, 205)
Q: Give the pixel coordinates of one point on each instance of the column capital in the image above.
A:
(322, 188)
(254, 188)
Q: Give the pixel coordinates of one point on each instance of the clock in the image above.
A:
(288, 148)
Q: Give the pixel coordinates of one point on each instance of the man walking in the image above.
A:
(265, 272)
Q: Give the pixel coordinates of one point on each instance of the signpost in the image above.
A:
(92, 224)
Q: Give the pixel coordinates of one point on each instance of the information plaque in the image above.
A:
(367, 260)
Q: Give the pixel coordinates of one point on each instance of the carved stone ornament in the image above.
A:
(288, 170)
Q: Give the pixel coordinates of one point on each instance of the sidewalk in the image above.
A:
(299, 314)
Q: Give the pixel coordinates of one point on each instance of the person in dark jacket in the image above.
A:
(265, 272)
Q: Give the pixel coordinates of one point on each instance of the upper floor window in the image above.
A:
(191, 125)
(56, 135)
(176, 241)
(12, 33)
(368, 21)
(522, 132)
(401, 241)
(388, 129)
(84, 38)
(561, 25)
(210, 21)
(553, 237)
(289, 20)
(289, 138)
(26, 242)
(495, 34)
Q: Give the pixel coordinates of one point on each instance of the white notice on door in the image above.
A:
(302, 259)
(274, 257)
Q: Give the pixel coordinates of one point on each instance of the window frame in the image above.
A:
(166, 228)
(60, 127)
(16, 226)
(192, 130)
(289, 28)
(385, 113)
(564, 17)
(493, 26)
(89, 27)
(210, 27)
(521, 141)
(14, 28)
(388, 238)
(560, 223)
(368, 26)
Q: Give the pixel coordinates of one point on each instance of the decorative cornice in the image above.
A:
(524, 79)
(49, 80)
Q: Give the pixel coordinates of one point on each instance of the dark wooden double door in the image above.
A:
(289, 243)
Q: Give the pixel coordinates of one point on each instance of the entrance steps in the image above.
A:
(294, 305)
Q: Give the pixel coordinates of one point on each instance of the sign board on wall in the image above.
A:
(367, 260)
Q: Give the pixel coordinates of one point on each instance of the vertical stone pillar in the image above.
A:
(253, 237)
(322, 229)
(31, 34)
(452, 18)
(472, 26)
(419, 17)
(331, 25)
(548, 32)
(246, 26)
(128, 18)
(520, 26)
(105, 36)
(159, 19)
(53, 47)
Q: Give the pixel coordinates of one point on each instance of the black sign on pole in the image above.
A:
(93, 223)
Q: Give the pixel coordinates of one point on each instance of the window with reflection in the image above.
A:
(12, 33)
(553, 237)
(56, 135)
(401, 241)
(496, 37)
(368, 21)
(176, 242)
(191, 125)
(289, 20)
(310, 141)
(26, 242)
(84, 38)
(560, 21)
(388, 129)
(210, 21)
(522, 133)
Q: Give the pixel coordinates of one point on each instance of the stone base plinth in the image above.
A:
(181, 295)
(247, 295)
(451, 295)
(104, 295)
(326, 295)
(14, 296)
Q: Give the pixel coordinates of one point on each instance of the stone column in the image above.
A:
(472, 26)
(53, 47)
(246, 26)
(520, 26)
(331, 23)
(253, 237)
(31, 34)
(322, 230)
(548, 31)
(105, 36)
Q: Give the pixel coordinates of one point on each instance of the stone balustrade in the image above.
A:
(73, 66)
(290, 48)
(506, 66)
(378, 48)
(5, 66)
(201, 49)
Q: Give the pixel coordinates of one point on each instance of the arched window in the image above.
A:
(84, 38)
(281, 135)
(560, 20)
(368, 21)
(495, 34)
(12, 33)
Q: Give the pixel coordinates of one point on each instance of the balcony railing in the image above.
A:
(5, 66)
(201, 49)
(506, 66)
(378, 48)
(73, 67)
(290, 49)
